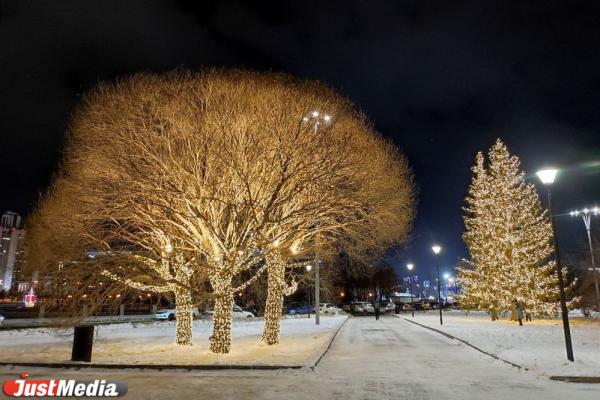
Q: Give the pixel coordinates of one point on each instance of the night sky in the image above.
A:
(442, 79)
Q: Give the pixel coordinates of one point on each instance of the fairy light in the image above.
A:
(275, 290)
(220, 341)
(174, 270)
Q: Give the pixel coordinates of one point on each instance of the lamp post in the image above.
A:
(436, 250)
(446, 277)
(410, 267)
(317, 119)
(450, 288)
(308, 268)
(547, 176)
(317, 294)
(586, 215)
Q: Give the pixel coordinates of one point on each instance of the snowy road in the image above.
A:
(386, 359)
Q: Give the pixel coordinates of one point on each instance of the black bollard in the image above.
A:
(83, 340)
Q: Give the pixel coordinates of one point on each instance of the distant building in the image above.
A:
(12, 234)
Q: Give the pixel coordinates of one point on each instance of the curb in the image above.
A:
(467, 343)
(160, 367)
(576, 379)
(329, 344)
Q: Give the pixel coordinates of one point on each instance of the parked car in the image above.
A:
(347, 307)
(363, 307)
(328, 308)
(296, 308)
(1, 319)
(357, 308)
(407, 307)
(369, 307)
(238, 313)
(387, 307)
(170, 313)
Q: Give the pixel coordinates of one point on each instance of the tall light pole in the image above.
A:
(308, 268)
(436, 250)
(586, 214)
(317, 119)
(446, 277)
(547, 176)
(410, 267)
(317, 294)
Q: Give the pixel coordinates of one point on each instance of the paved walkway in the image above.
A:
(385, 359)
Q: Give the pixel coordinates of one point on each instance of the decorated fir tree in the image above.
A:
(509, 238)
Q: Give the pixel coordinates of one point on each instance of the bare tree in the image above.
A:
(76, 244)
(223, 167)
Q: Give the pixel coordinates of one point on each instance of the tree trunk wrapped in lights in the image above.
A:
(275, 291)
(183, 316)
(220, 341)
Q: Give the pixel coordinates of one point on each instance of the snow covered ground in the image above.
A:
(380, 360)
(538, 345)
(302, 342)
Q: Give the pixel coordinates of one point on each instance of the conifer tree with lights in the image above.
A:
(509, 238)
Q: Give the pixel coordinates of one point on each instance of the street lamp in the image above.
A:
(436, 250)
(586, 215)
(446, 276)
(410, 267)
(316, 118)
(547, 176)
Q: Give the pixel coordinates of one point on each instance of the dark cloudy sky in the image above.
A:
(443, 79)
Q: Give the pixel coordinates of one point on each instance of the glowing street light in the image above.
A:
(317, 117)
(410, 267)
(586, 215)
(436, 250)
(547, 176)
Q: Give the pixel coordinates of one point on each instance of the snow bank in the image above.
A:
(538, 345)
(302, 342)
